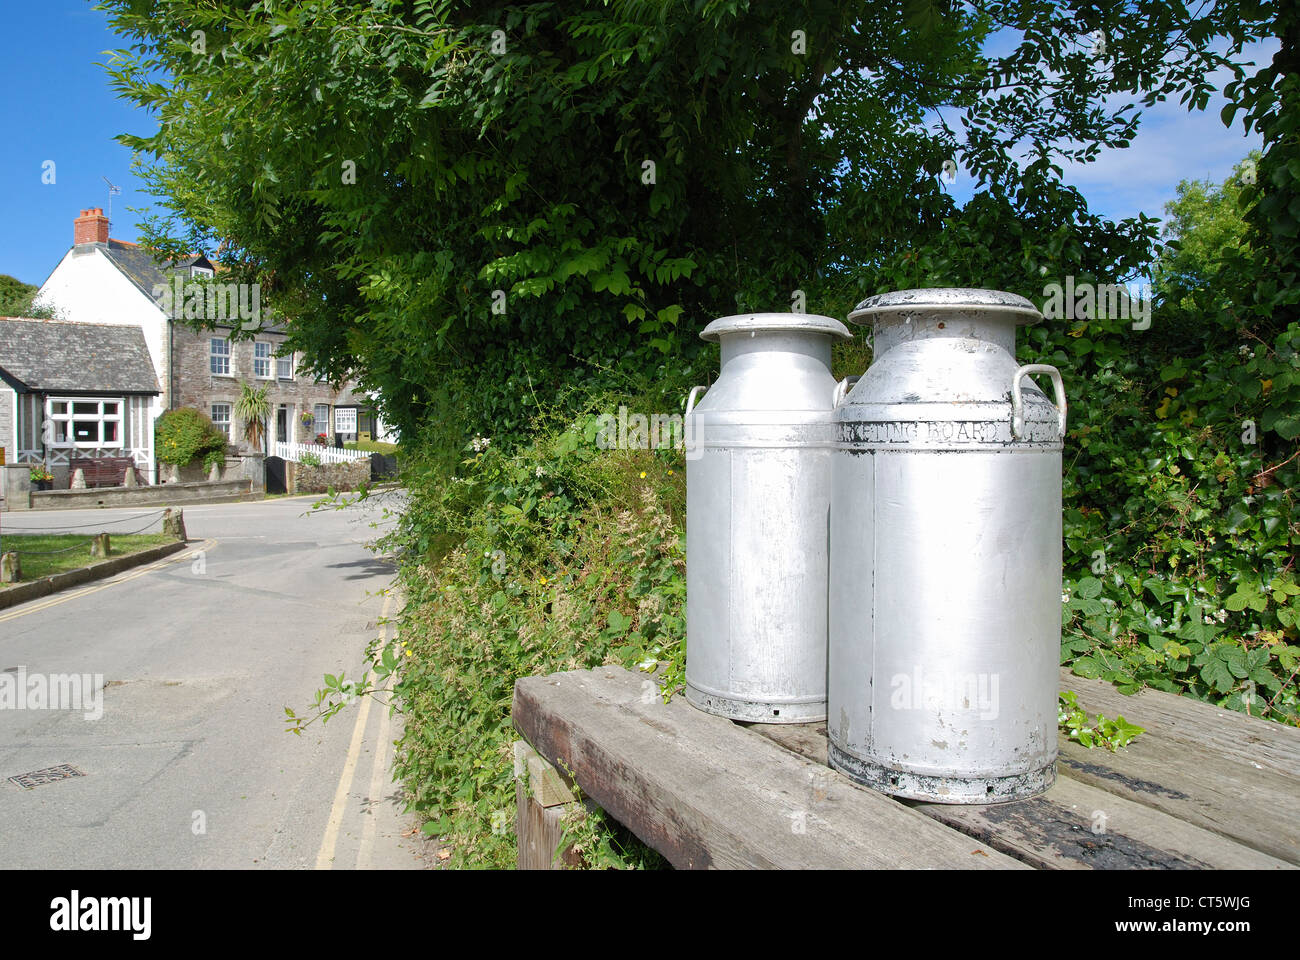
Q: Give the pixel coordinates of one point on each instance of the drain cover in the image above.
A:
(38, 778)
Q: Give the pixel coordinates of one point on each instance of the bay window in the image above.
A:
(84, 423)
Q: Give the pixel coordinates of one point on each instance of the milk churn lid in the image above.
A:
(954, 299)
(774, 323)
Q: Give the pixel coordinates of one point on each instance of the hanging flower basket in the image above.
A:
(307, 420)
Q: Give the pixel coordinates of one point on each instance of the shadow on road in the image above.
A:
(370, 567)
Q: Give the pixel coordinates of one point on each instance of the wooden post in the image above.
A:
(542, 799)
(99, 546)
(10, 569)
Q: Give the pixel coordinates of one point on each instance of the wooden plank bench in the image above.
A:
(1202, 788)
(104, 471)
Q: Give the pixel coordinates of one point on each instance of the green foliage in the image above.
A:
(185, 435)
(556, 555)
(254, 409)
(16, 300)
(309, 459)
(1180, 483)
(1111, 734)
(429, 200)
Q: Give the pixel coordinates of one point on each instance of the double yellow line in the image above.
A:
(325, 857)
(64, 597)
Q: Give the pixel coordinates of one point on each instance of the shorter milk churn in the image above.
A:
(945, 584)
(757, 499)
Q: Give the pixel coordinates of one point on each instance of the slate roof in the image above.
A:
(145, 272)
(49, 356)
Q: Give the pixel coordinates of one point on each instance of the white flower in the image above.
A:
(1221, 616)
(541, 472)
(1243, 350)
(1065, 598)
(1209, 619)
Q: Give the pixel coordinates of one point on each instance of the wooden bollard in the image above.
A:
(10, 569)
(99, 546)
(542, 799)
(174, 523)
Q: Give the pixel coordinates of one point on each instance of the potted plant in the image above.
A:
(322, 440)
(41, 478)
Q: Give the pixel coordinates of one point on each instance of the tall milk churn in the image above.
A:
(945, 532)
(758, 456)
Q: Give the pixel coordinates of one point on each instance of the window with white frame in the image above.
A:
(321, 424)
(262, 360)
(221, 417)
(83, 423)
(219, 356)
(200, 272)
(284, 367)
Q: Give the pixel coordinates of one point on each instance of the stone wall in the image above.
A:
(196, 385)
(168, 493)
(337, 476)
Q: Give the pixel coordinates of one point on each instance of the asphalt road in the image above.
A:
(189, 765)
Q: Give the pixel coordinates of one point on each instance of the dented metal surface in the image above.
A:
(945, 555)
(758, 495)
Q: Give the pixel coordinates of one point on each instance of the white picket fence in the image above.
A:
(295, 451)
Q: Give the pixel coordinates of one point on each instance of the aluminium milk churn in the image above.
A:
(758, 460)
(945, 532)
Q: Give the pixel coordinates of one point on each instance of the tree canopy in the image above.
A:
(433, 192)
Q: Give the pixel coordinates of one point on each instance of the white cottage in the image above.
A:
(75, 390)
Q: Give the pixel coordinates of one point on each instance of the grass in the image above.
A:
(372, 446)
(38, 559)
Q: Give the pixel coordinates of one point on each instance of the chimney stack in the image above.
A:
(90, 227)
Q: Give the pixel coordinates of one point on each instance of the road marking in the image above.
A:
(376, 787)
(63, 597)
(325, 857)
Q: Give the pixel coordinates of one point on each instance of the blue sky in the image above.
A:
(59, 106)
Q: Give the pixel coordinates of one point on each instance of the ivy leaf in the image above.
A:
(1087, 667)
(1089, 588)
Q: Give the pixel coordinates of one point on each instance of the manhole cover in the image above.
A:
(38, 778)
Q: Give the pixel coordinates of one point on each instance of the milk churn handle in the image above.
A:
(841, 390)
(1017, 405)
(690, 400)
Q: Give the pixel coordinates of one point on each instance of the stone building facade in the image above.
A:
(208, 368)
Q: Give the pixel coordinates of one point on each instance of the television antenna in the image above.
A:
(112, 192)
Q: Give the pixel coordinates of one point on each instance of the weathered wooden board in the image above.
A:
(540, 831)
(1235, 775)
(1164, 801)
(706, 792)
(1233, 736)
(1075, 826)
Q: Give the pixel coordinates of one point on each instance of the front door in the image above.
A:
(282, 425)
